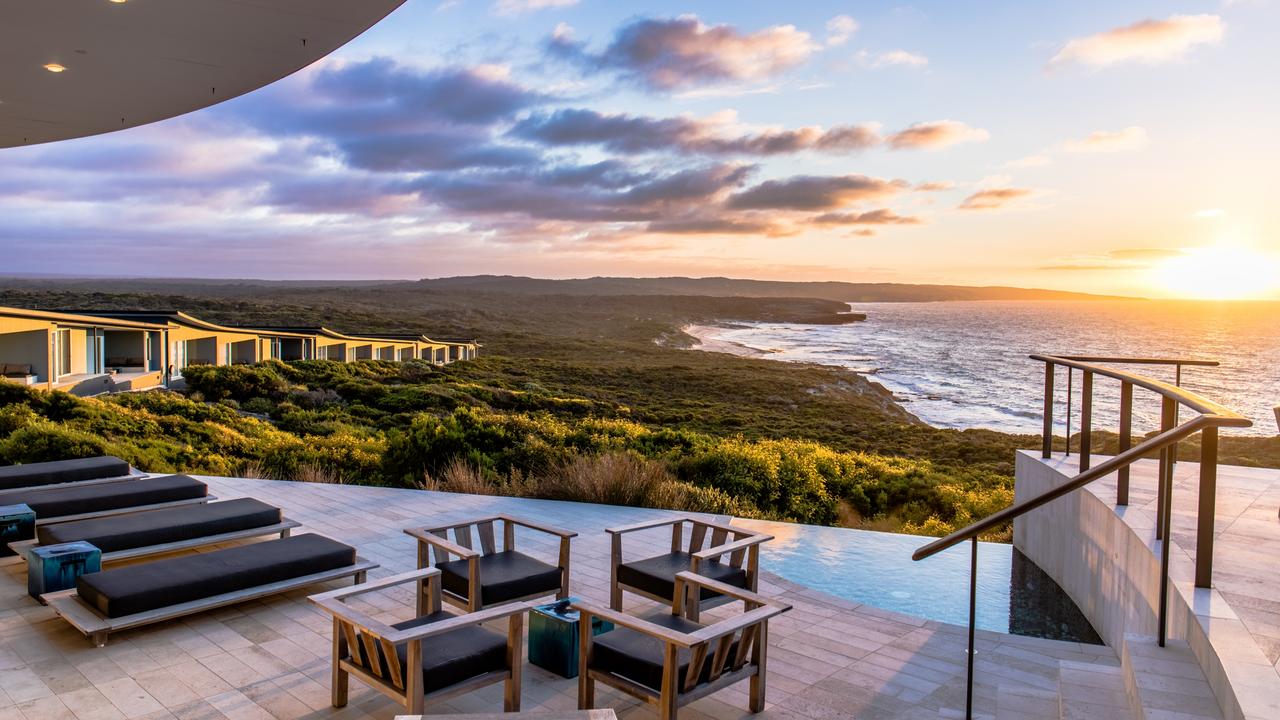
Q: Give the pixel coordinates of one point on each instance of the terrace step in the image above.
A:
(1166, 683)
(1090, 691)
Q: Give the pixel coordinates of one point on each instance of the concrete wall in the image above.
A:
(1107, 559)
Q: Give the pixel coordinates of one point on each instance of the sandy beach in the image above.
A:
(708, 342)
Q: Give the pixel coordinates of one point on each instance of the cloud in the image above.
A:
(936, 134)
(883, 216)
(936, 186)
(839, 29)
(994, 198)
(631, 134)
(809, 192)
(896, 57)
(1148, 41)
(518, 7)
(1102, 141)
(719, 226)
(680, 53)
(1121, 259)
(1030, 161)
(1144, 253)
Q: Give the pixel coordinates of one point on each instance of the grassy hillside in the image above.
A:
(574, 396)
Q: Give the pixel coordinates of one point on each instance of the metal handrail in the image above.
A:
(1211, 416)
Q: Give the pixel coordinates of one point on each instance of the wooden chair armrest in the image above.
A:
(425, 537)
(645, 525)
(718, 550)
(367, 587)
(360, 620)
(458, 621)
(738, 593)
(641, 625)
(734, 529)
(734, 624)
(549, 529)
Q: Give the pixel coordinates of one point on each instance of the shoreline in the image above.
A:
(705, 335)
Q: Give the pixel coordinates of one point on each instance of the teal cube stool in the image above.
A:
(17, 522)
(55, 567)
(553, 636)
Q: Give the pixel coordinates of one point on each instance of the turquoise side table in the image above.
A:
(55, 567)
(553, 636)
(17, 522)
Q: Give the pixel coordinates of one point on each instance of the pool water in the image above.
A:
(874, 568)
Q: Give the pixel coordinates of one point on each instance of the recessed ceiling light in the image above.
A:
(54, 67)
(118, 2)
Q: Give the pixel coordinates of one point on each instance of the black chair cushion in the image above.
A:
(505, 575)
(61, 471)
(78, 499)
(154, 527)
(657, 575)
(450, 658)
(161, 583)
(638, 657)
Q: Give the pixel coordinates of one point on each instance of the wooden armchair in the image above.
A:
(434, 656)
(480, 579)
(655, 577)
(670, 661)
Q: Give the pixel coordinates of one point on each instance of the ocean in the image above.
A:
(965, 364)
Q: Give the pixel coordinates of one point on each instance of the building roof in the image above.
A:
(132, 62)
(85, 319)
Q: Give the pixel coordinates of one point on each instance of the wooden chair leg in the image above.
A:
(667, 701)
(615, 559)
(586, 686)
(515, 661)
(760, 660)
(339, 679)
(415, 693)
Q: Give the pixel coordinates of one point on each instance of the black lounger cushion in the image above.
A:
(61, 471)
(79, 499)
(138, 588)
(504, 576)
(450, 658)
(638, 657)
(657, 575)
(156, 527)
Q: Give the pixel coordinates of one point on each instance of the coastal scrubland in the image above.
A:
(575, 396)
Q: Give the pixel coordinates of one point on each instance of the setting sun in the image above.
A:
(1220, 272)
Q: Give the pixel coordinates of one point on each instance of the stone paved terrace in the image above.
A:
(829, 658)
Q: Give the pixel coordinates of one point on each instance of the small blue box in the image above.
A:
(17, 522)
(553, 636)
(55, 567)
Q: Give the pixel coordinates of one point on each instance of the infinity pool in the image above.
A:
(875, 568)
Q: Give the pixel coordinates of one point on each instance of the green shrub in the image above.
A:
(46, 441)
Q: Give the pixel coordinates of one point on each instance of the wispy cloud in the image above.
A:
(680, 53)
(1121, 259)
(892, 57)
(936, 134)
(1147, 41)
(839, 29)
(994, 198)
(1103, 141)
(518, 7)
(808, 192)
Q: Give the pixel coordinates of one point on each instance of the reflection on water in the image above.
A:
(876, 569)
(964, 364)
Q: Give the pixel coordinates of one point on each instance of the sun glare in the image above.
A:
(1220, 273)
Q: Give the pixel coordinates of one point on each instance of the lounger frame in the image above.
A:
(86, 619)
(124, 510)
(283, 528)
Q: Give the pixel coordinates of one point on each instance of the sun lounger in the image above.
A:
(78, 502)
(136, 595)
(98, 469)
(153, 532)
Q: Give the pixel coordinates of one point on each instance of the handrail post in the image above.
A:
(1069, 384)
(1086, 419)
(1164, 522)
(973, 619)
(1126, 441)
(1167, 407)
(1207, 508)
(1046, 445)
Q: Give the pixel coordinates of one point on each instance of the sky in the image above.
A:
(1094, 146)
